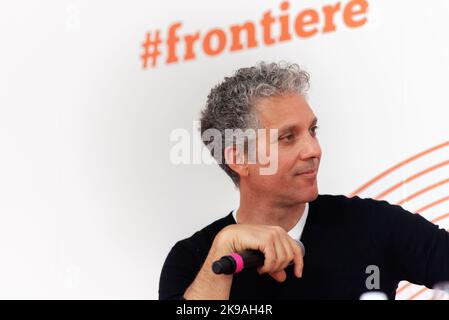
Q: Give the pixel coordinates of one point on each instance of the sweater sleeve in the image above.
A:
(419, 248)
(178, 272)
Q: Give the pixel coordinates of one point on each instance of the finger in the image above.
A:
(270, 258)
(279, 276)
(297, 259)
(289, 251)
(281, 253)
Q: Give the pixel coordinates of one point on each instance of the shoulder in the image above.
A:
(199, 243)
(377, 221)
(349, 202)
(361, 208)
(185, 259)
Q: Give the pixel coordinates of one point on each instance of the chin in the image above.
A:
(308, 195)
(312, 198)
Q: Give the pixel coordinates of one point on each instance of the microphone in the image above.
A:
(237, 261)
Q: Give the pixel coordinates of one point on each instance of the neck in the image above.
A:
(264, 210)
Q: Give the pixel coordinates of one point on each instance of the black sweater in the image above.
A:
(342, 237)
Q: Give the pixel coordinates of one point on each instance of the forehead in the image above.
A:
(275, 112)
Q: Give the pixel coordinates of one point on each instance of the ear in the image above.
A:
(236, 160)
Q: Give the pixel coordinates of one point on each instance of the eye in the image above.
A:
(287, 137)
(314, 129)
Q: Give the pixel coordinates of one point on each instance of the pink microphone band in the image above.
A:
(239, 262)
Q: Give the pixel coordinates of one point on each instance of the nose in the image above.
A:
(309, 149)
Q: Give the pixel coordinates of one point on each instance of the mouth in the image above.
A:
(308, 174)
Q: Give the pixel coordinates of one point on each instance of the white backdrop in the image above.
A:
(90, 203)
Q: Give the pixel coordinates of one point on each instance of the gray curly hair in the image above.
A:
(231, 103)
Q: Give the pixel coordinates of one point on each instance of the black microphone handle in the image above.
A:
(228, 265)
(251, 258)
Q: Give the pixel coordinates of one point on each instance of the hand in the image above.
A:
(274, 242)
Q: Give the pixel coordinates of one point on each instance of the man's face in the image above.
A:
(296, 147)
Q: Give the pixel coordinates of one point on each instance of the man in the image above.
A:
(344, 237)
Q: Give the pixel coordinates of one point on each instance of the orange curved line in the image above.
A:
(416, 194)
(422, 290)
(391, 169)
(405, 286)
(397, 166)
(411, 178)
(444, 216)
(430, 205)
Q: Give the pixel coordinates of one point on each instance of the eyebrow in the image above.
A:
(290, 127)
